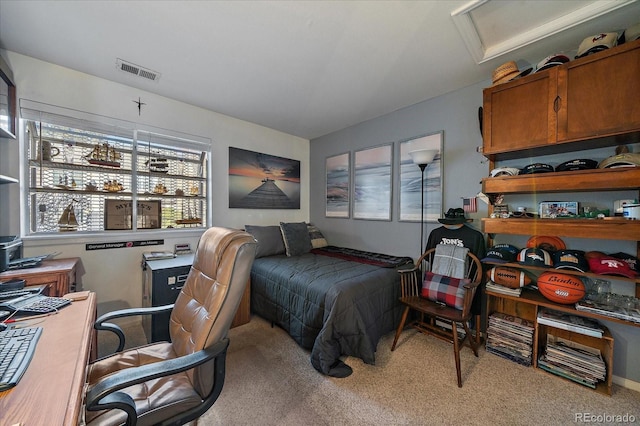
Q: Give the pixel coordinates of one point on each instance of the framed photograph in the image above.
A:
(8, 107)
(263, 181)
(372, 183)
(118, 214)
(338, 177)
(413, 190)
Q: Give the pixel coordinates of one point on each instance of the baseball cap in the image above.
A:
(633, 261)
(552, 61)
(627, 159)
(536, 168)
(578, 164)
(534, 257)
(570, 259)
(504, 171)
(609, 265)
(499, 255)
(597, 43)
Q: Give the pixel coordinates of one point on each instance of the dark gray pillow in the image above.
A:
(296, 238)
(269, 239)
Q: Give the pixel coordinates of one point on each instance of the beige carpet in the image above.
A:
(270, 381)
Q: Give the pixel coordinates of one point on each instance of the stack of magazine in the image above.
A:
(510, 337)
(497, 288)
(580, 363)
(570, 322)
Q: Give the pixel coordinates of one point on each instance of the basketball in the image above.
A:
(509, 277)
(561, 288)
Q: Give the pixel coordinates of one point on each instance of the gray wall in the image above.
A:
(456, 114)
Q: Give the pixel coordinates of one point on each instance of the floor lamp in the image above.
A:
(422, 158)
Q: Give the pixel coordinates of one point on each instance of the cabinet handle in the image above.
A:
(556, 104)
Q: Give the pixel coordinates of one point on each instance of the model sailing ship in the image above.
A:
(67, 221)
(189, 218)
(104, 155)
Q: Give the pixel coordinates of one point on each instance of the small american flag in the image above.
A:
(469, 205)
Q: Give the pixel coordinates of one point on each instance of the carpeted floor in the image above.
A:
(270, 381)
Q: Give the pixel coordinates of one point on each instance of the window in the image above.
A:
(91, 176)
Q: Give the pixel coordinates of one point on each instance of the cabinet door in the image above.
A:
(599, 94)
(520, 115)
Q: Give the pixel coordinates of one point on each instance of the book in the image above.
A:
(570, 322)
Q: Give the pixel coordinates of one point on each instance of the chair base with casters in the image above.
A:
(173, 383)
(434, 318)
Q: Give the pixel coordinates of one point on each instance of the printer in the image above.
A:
(10, 251)
(11, 255)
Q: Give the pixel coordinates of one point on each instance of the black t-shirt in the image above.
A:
(461, 237)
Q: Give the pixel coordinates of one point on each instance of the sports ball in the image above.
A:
(509, 277)
(561, 288)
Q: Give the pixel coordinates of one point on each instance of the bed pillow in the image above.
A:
(443, 289)
(296, 238)
(317, 239)
(269, 239)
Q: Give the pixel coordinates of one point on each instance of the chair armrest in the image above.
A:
(105, 394)
(101, 324)
(407, 270)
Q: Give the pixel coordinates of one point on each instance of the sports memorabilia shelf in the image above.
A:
(553, 112)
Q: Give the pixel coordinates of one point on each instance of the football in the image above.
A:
(561, 288)
(509, 277)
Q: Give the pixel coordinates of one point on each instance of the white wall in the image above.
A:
(115, 275)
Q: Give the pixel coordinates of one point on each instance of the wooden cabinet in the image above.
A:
(520, 115)
(527, 306)
(591, 100)
(59, 275)
(598, 94)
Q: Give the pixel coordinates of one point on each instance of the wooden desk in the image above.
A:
(52, 389)
(59, 275)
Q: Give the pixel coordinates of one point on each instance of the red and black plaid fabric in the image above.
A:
(443, 289)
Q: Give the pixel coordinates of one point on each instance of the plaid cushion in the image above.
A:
(443, 289)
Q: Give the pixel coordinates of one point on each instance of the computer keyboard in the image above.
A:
(34, 304)
(17, 347)
(44, 304)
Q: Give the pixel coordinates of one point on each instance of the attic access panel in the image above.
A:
(491, 28)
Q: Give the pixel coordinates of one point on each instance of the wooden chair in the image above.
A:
(437, 319)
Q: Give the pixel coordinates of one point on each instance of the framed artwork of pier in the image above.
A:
(262, 181)
(337, 169)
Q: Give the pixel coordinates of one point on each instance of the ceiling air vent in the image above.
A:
(130, 68)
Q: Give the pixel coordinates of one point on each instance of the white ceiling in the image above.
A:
(306, 68)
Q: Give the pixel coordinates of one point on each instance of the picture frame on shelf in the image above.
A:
(410, 179)
(118, 214)
(372, 183)
(338, 188)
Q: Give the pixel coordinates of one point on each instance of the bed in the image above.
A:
(331, 300)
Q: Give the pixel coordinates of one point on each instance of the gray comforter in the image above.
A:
(333, 307)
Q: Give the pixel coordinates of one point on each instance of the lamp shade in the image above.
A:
(423, 156)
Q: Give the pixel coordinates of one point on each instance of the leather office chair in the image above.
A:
(176, 382)
(435, 318)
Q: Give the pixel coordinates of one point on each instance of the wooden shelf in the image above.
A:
(623, 178)
(605, 229)
(534, 298)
